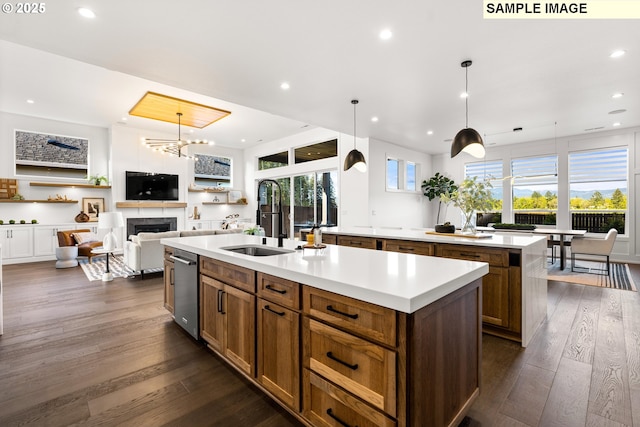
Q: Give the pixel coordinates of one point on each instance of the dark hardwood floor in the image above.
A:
(76, 352)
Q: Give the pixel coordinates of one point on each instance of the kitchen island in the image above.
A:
(515, 290)
(344, 336)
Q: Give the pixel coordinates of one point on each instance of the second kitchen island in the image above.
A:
(344, 336)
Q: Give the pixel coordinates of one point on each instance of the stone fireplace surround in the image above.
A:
(153, 225)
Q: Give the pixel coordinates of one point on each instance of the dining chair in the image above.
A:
(593, 246)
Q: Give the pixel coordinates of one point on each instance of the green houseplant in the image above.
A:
(98, 179)
(437, 186)
(471, 196)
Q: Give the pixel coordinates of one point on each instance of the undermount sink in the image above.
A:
(257, 250)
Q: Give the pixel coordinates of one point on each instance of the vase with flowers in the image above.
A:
(471, 196)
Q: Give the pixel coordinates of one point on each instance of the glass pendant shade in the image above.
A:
(469, 141)
(355, 159)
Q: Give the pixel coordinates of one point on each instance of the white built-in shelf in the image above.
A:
(222, 203)
(62, 184)
(151, 204)
(37, 201)
(202, 190)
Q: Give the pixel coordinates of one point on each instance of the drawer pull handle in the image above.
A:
(338, 420)
(351, 316)
(220, 293)
(470, 255)
(279, 313)
(283, 291)
(404, 248)
(348, 365)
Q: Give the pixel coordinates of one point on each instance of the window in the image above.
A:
(402, 175)
(321, 150)
(598, 189)
(273, 160)
(492, 172)
(212, 171)
(535, 190)
(56, 156)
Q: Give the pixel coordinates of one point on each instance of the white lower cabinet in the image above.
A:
(45, 238)
(17, 242)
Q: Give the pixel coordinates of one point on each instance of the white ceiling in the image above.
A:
(235, 55)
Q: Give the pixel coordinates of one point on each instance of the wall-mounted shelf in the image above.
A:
(62, 184)
(37, 201)
(194, 190)
(151, 205)
(223, 203)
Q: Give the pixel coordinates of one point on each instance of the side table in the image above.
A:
(107, 276)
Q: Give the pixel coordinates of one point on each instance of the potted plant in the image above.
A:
(98, 179)
(470, 197)
(437, 186)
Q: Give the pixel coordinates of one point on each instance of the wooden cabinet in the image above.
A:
(169, 279)
(227, 318)
(409, 247)
(357, 242)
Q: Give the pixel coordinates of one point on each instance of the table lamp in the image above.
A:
(109, 221)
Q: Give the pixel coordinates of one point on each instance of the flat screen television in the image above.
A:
(151, 186)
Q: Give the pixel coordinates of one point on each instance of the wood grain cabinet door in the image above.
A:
(240, 322)
(495, 297)
(169, 280)
(212, 317)
(279, 352)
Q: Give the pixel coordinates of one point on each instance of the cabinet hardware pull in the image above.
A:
(220, 293)
(348, 365)
(352, 316)
(279, 313)
(470, 255)
(171, 276)
(338, 420)
(403, 248)
(284, 291)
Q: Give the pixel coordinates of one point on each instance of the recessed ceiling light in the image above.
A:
(429, 132)
(617, 95)
(87, 13)
(464, 95)
(243, 140)
(617, 124)
(374, 119)
(618, 111)
(285, 86)
(30, 101)
(386, 34)
(124, 119)
(617, 53)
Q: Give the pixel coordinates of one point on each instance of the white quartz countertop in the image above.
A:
(403, 282)
(507, 240)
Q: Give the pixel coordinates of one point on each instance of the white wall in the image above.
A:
(397, 208)
(50, 213)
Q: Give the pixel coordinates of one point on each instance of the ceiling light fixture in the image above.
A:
(616, 124)
(617, 95)
(355, 158)
(429, 132)
(174, 146)
(617, 54)
(86, 13)
(285, 86)
(386, 34)
(30, 101)
(468, 139)
(374, 119)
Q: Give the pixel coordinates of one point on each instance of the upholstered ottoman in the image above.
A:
(66, 256)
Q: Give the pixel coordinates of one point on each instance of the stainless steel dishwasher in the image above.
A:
(186, 291)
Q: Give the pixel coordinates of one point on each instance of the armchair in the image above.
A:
(593, 246)
(66, 238)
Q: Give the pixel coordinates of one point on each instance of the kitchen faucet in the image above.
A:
(281, 234)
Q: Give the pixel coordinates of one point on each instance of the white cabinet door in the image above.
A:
(45, 238)
(18, 242)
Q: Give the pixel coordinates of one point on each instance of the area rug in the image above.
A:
(619, 278)
(98, 266)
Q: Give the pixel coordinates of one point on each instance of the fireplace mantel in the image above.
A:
(151, 204)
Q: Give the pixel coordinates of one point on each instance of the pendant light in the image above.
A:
(355, 158)
(468, 139)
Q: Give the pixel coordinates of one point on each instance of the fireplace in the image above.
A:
(151, 225)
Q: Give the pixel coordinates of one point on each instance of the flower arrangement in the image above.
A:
(470, 197)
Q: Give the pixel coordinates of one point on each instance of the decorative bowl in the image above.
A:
(445, 228)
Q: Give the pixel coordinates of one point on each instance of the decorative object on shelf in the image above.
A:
(436, 187)
(234, 196)
(218, 199)
(22, 221)
(8, 188)
(82, 217)
(196, 214)
(468, 139)
(58, 197)
(447, 227)
(230, 221)
(355, 158)
(242, 201)
(17, 196)
(12, 221)
(470, 197)
(109, 221)
(1, 222)
(93, 207)
(98, 179)
(34, 221)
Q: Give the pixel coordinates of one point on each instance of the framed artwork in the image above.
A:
(93, 207)
(234, 196)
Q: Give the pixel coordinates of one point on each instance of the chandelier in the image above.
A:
(174, 146)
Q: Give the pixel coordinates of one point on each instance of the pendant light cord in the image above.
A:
(354, 102)
(466, 98)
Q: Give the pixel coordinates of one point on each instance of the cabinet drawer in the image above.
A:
(281, 291)
(407, 247)
(357, 242)
(239, 277)
(368, 320)
(327, 405)
(329, 239)
(495, 257)
(364, 369)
